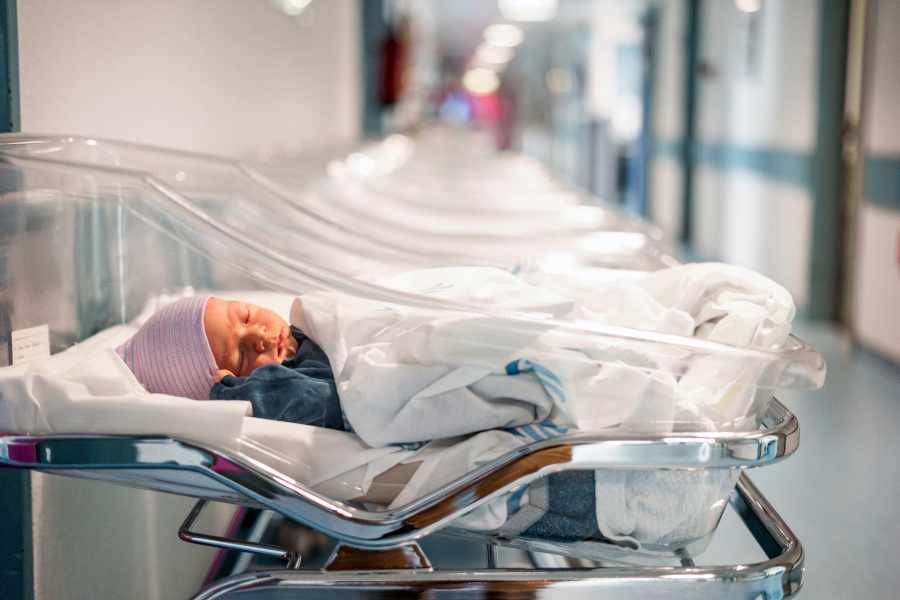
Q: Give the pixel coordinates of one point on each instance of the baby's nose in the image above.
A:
(258, 339)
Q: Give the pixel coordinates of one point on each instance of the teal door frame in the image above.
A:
(827, 172)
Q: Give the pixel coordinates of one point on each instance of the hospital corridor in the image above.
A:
(482, 299)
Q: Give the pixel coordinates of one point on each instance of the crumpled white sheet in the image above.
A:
(99, 394)
(658, 507)
(409, 376)
(413, 375)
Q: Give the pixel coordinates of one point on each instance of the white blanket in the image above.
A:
(411, 375)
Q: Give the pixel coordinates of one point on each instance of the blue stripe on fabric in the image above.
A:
(882, 185)
(553, 427)
(551, 382)
(531, 431)
(513, 368)
(514, 502)
(544, 371)
(411, 445)
(554, 391)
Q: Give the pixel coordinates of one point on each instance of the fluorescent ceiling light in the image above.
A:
(481, 81)
(493, 54)
(505, 35)
(748, 6)
(527, 10)
(291, 7)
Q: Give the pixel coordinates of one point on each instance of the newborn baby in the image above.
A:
(244, 337)
(208, 348)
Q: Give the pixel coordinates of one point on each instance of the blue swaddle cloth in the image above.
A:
(299, 390)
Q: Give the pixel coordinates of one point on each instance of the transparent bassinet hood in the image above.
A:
(356, 233)
(217, 210)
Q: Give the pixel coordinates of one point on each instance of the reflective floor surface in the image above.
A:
(840, 492)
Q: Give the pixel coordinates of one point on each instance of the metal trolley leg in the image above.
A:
(185, 533)
(778, 577)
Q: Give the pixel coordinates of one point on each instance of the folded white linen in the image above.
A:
(335, 463)
(400, 373)
(407, 375)
(101, 395)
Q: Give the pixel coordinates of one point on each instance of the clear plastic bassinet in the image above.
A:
(85, 247)
(355, 233)
(494, 203)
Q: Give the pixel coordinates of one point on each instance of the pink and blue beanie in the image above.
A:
(170, 353)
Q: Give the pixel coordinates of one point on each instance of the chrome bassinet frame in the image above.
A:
(192, 469)
(778, 577)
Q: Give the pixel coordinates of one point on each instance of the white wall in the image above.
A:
(883, 124)
(666, 183)
(876, 272)
(773, 106)
(740, 215)
(745, 219)
(876, 297)
(218, 76)
(94, 540)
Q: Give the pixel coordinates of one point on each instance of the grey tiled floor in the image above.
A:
(840, 492)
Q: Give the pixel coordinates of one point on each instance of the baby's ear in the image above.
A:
(222, 373)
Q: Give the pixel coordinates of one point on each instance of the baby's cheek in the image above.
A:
(263, 360)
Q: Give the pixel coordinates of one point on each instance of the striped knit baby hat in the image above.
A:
(170, 354)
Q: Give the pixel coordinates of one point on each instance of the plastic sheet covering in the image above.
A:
(91, 233)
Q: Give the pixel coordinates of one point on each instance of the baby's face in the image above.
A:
(244, 337)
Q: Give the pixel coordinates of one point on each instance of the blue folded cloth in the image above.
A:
(571, 511)
(560, 508)
(299, 390)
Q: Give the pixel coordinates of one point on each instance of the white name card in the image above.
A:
(30, 344)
